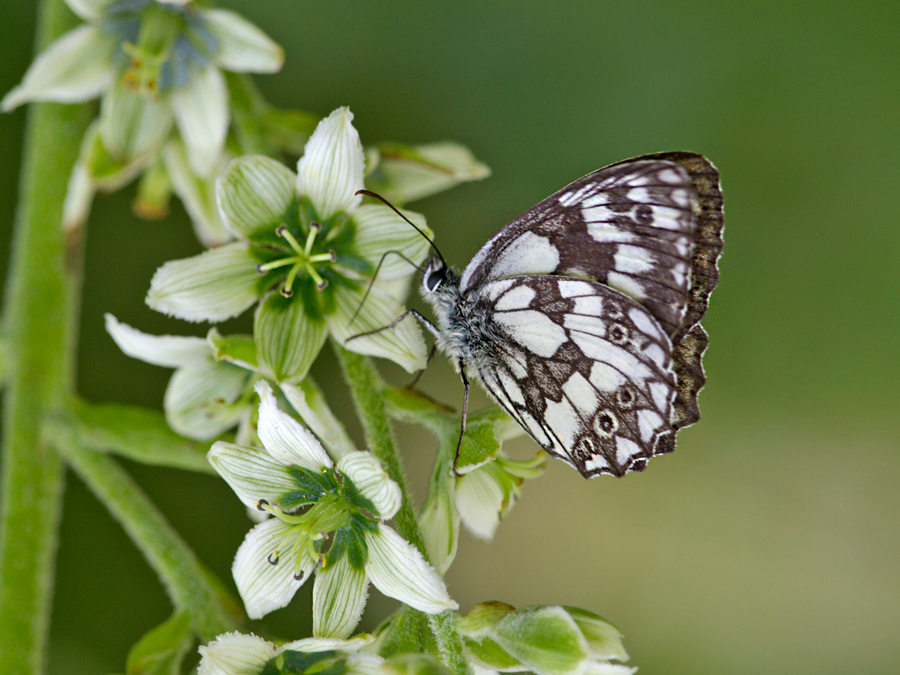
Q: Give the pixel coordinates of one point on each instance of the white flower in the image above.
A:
(155, 64)
(306, 247)
(487, 494)
(205, 396)
(326, 517)
(239, 654)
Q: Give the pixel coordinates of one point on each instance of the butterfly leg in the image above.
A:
(418, 376)
(421, 319)
(465, 412)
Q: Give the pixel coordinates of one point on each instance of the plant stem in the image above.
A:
(190, 585)
(368, 394)
(41, 316)
(368, 391)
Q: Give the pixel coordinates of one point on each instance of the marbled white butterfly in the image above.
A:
(581, 316)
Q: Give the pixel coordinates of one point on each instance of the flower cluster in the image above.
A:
(325, 517)
(316, 258)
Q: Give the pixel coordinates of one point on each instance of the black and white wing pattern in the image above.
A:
(583, 313)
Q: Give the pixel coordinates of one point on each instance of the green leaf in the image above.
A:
(480, 445)
(136, 433)
(161, 651)
(237, 349)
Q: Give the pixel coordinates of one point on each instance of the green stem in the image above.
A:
(368, 391)
(41, 316)
(189, 584)
(367, 388)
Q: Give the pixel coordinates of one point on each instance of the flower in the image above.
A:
(156, 64)
(547, 640)
(487, 494)
(306, 246)
(205, 396)
(240, 654)
(326, 518)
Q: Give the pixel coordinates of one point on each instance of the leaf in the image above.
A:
(480, 445)
(136, 433)
(161, 651)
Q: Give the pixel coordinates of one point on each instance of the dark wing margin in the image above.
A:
(691, 340)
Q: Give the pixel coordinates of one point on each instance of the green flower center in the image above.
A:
(161, 44)
(334, 506)
(303, 259)
(306, 255)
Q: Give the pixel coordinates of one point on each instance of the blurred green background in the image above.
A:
(769, 542)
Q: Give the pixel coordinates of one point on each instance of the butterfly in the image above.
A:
(581, 317)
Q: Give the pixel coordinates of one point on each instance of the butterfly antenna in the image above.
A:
(375, 276)
(369, 193)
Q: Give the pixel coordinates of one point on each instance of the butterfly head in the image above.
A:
(435, 275)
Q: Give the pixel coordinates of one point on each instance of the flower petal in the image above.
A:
(201, 110)
(399, 571)
(252, 473)
(603, 639)
(200, 401)
(288, 340)
(285, 437)
(105, 171)
(479, 499)
(402, 344)
(265, 587)
(243, 48)
(307, 399)
(321, 644)
(439, 523)
(235, 654)
(364, 664)
(372, 481)
(339, 597)
(331, 169)
(79, 198)
(197, 194)
(380, 230)
(544, 639)
(89, 9)
(77, 67)
(169, 351)
(213, 286)
(253, 194)
(133, 125)
(406, 173)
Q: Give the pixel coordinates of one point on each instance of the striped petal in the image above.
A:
(379, 231)
(264, 586)
(399, 571)
(331, 169)
(339, 597)
(213, 286)
(201, 110)
(402, 344)
(77, 67)
(243, 48)
(284, 437)
(253, 194)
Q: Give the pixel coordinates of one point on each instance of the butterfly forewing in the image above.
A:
(586, 370)
(629, 226)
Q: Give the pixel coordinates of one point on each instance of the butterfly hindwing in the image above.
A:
(586, 370)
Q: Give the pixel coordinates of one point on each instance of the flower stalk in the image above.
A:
(41, 313)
